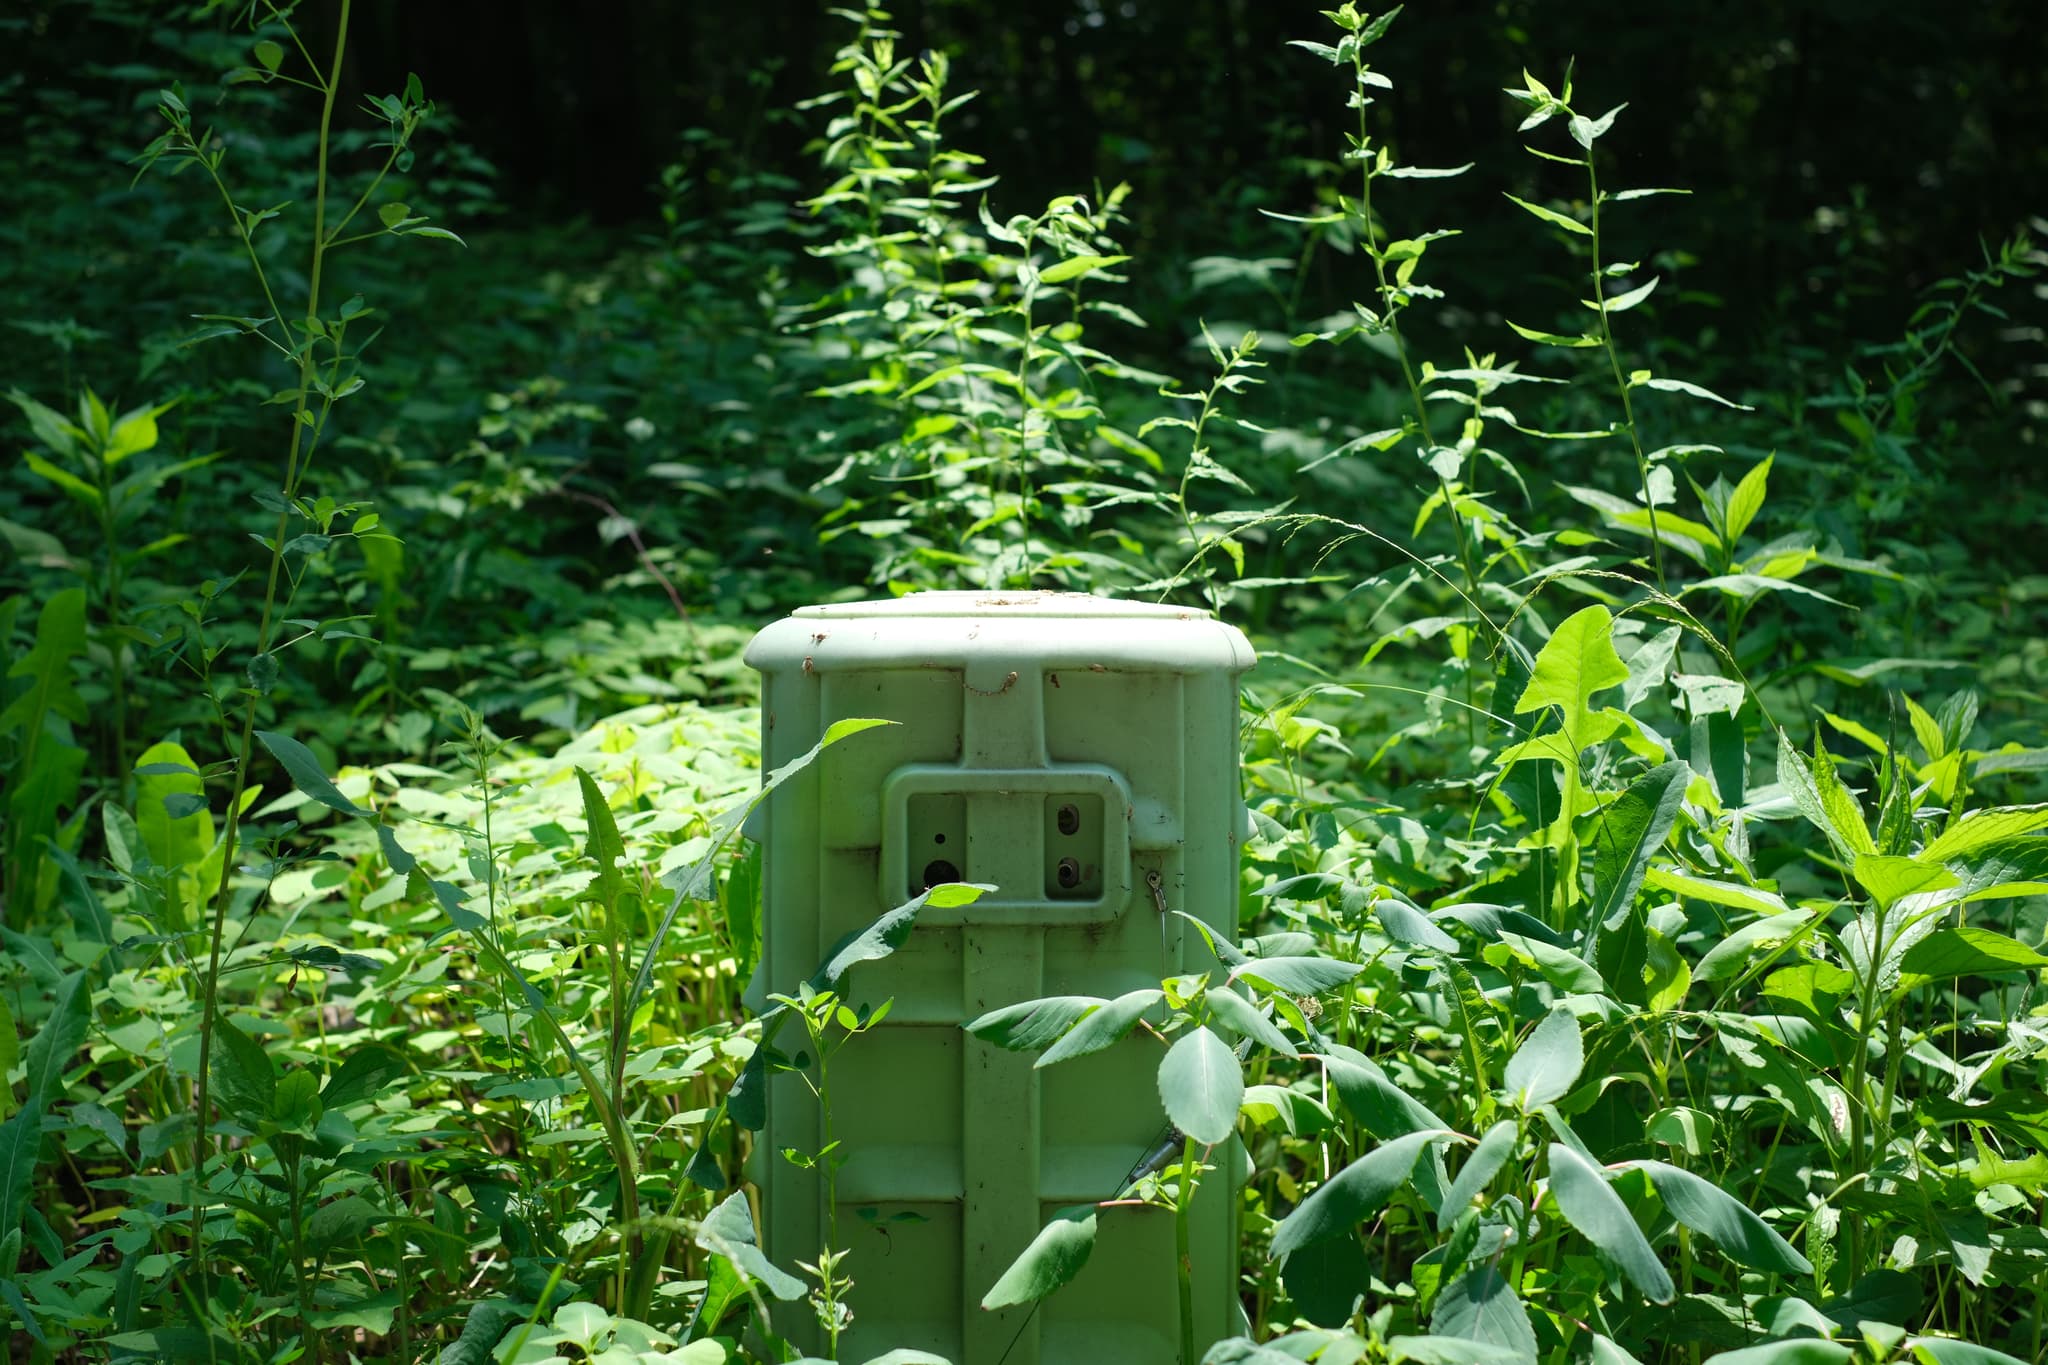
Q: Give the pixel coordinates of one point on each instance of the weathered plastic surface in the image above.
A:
(1059, 747)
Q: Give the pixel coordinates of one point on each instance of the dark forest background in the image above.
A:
(1839, 151)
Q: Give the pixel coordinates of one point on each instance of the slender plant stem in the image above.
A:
(209, 1019)
(1391, 319)
(1183, 1261)
(1628, 410)
(1859, 1068)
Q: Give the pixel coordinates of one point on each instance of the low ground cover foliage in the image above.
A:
(1640, 937)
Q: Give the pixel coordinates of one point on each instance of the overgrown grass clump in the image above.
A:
(1640, 939)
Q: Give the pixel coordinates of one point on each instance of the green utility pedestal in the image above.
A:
(1059, 747)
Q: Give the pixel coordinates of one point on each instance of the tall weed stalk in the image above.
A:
(324, 368)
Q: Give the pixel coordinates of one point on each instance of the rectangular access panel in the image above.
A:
(1060, 747)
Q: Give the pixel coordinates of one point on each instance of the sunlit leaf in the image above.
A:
(1053, 1259)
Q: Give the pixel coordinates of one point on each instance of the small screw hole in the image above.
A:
(938, 838)
(1069, 874)
(1069, 820)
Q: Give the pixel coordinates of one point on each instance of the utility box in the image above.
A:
(1060, 747)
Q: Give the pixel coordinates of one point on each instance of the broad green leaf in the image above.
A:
(740, 909)
(890, 931)
(134, 432)
(295, 1103)
(1325, 1279)
(10, 1053)
(1383, 1108)
(176, 841)
(1708, 1209)
(1034, 1024)
(363, 1075)
(1547, 1063)
(1411, 928)
(1706, 694)
(1748, 498)
(64, 479)
(1689, 1130)
(1606, 1352)
(244, 1078)
(1481, 1306)
(1202, 1085)
(1884, 1296)
(747, 1102)
(1425, 172)
(48, 425)
(1667, 975)
(21, 1141)
(1102, 1027)
(1822, 799)
(1297, 975)
(1926, 729)
(2005, 868)
(1690, 538)
(1967, 951)
(1053, 1259)
(1377, 28)
(1239, 1351)
(342, 1222)
(1553, 217)
(1621, 303)
(1432, 1350)
(1890, 880)
(60, 638)
(1862, 734)
(1957, 717)
(1586, 131)
(1591, 1205)
(1354, 1194)
(1694, 391)
(602, 843)
(270, 54)
(1074, 267)
(1243, 1018)
(1789, 1351)
(1478, 1171)
(1578, 342)
(728, 1231)
(1562, 968)
(1716, 892)
(1297, 1114)
(1816, 987)
(1626, 834)
(305, 773)
(1949, 1351)
(1844, 811)
(2011, 759)
(1575, 662)
(57, 1041)
(396, 857)
(1982, 827)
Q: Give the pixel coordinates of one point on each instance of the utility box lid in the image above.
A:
(1056, 629)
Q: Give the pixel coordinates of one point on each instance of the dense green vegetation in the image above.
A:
(1640, 943)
